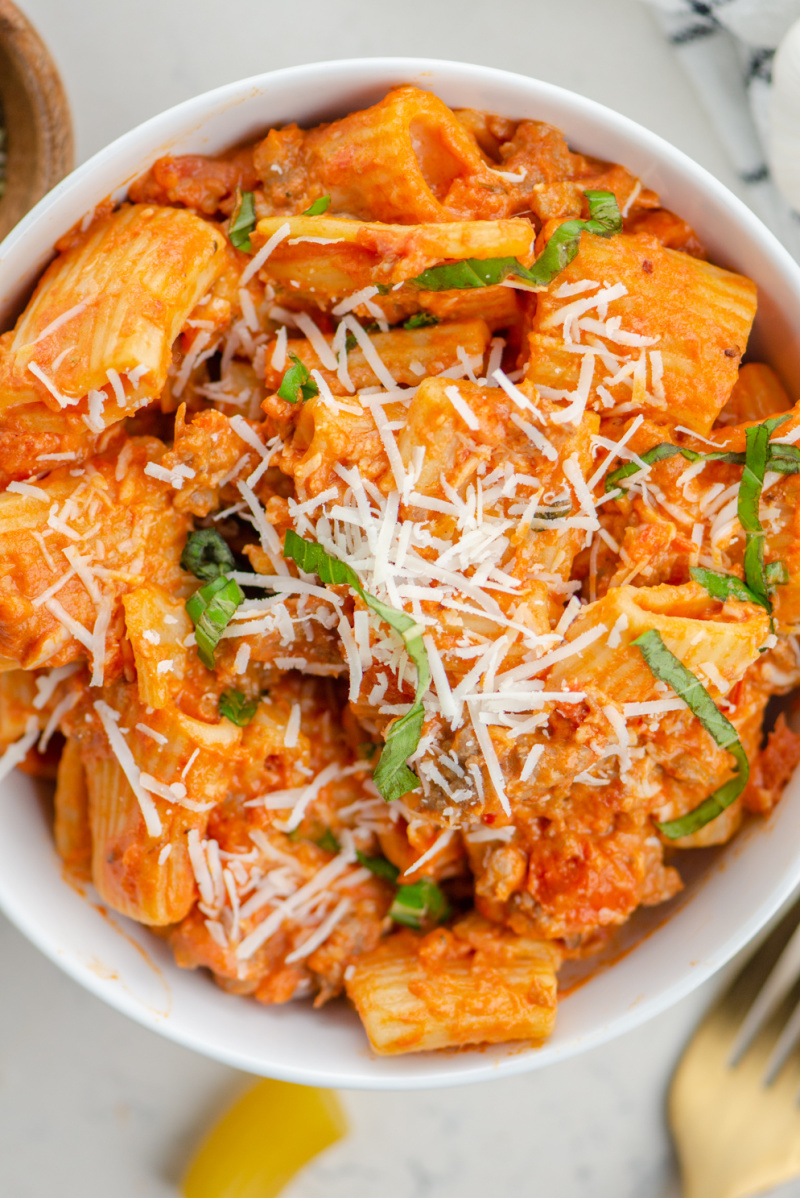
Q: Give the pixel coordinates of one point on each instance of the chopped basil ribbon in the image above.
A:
(318, 207)
(777, 573)
(206, 554)
(421, 902)
(783, 459)
(392, 777)
(210, 609)
(243, 221)
(604, 221)
(379, 866)
(726, 586)
(665, 666)
(757, 455)
(328, 842)
(236, 708)
(420, 320)
(414, 905)
(297, 379)
(665, 450)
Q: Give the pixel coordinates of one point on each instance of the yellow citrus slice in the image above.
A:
(263, 1140)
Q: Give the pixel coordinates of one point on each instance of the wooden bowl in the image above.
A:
(39, 145)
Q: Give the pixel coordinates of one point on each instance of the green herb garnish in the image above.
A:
(604, 221)
(210, 609)
(243, 221)
(665, 450)
(237, 708)
(392, 777)
(783, 459)
(297, 379)
(776, 573)
(379, 866)
(420, 320)
(206, 554)
(320, 205)
(725, 586)
(756, 458)
(665, 666)
(328, 842)
(421, 902)
(350, 342)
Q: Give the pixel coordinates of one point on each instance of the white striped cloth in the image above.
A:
(728, 48)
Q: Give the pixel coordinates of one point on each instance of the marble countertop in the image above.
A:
(92, 1105)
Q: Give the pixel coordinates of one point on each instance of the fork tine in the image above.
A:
(783, 1046)
(778, 983)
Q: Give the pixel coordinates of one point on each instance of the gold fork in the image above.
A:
(733, 1104)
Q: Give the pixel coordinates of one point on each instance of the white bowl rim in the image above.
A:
(183, 118)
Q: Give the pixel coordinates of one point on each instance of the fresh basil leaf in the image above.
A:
(784, 459)
(467, 274)
(757, 454)
(665, 450)
(379, 866)
(604, 221)
(776, 573)
(206, 554)
(243, 221)
(297, 379)
(237, 708)
(210, 609)
(725, 586)
(392, 777)
(420, 320)
(320, 205)
(328, 842)
(420, 903)
(665, 666)
(350, 342)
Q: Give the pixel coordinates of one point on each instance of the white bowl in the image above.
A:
(730, 894)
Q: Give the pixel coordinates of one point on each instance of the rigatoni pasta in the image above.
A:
(396, 562)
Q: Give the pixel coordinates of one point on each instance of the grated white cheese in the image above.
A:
(617, 722)
(292, 732)
(119, 747)
(355, 300)
(29, 490)
(318, 343)
(70, 314)
(146, 730)
(462, 407)
(322, 933)
(73, 627)
(99, 634)
(654, 707)
(614, 639)
(374, 361)
(64, 401)
(242, 659)
(279, 353)
(484, 739)
(441, 841)
(260, 258)
(17, 751)
(321, 881)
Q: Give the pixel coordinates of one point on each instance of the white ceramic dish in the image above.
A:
(729, 895)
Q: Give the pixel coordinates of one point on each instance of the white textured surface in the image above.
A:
(92, 1105)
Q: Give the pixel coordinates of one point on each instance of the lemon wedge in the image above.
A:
(263, 1140)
